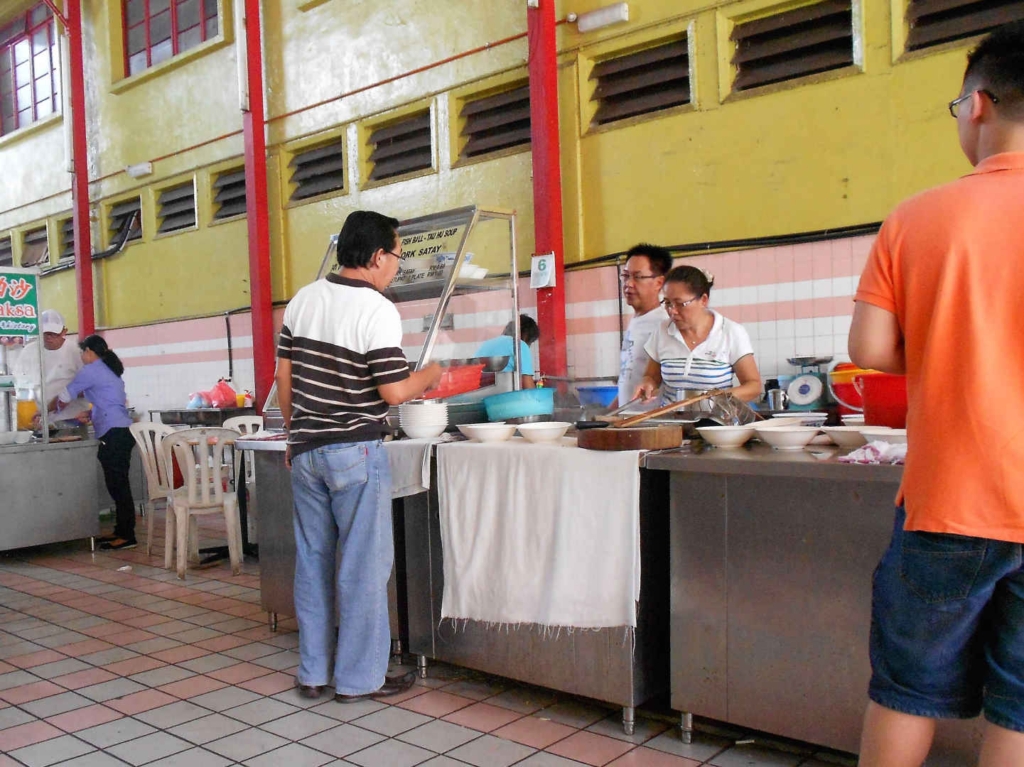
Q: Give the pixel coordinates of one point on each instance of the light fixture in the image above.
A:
(139, 169)
(602, 17)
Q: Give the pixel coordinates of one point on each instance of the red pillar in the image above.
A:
(547, 181)
(257, 208)
(80, 175)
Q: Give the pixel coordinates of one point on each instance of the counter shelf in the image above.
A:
(50, 492)
(772, 556)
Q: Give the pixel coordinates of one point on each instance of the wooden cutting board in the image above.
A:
(631, 438)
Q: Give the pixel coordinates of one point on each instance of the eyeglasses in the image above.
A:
(954, 105)
(637, 277)
(396, 255)
(678, 306)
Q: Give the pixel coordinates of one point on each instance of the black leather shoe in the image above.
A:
(310, 690)
(393, 686)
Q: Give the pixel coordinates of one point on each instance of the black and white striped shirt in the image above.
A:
(344, 340)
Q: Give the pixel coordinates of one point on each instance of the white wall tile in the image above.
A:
(784, 291)
(822, 326)
(804, 328)
(803, 290)
(821, 289)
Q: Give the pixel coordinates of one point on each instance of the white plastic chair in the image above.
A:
(148, 436)
(200, 455)
(246, 424)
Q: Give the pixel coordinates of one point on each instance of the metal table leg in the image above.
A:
(421, 665)
(628, 720)
(686, 723)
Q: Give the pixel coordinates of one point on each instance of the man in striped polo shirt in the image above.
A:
(340, 365)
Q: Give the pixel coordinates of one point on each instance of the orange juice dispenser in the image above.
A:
(27, 406)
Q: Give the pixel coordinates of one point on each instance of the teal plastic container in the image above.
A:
(520, 404)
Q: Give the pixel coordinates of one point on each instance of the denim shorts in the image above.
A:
(947, 627)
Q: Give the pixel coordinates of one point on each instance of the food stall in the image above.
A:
(49, 486)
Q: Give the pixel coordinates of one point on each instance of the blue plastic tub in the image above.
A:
(520, 404)
(597, 395)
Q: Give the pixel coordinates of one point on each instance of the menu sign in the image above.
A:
(19, 306)
(426, 255)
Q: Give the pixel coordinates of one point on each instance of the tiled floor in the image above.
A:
(107, 659)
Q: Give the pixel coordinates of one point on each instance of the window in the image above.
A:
(29, 82)
(229, 194)
(317, 170)
(797, 43)
(176, 208)
(121, 214)
(640, 83)
(938, 21)
(156, 30)
(496, 122)
(6, 251)
(67, 240)
(35, 250)
(401, 147)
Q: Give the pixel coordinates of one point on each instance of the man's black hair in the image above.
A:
(529, 331)
(997, 66)
(363, 234)
(658, 257)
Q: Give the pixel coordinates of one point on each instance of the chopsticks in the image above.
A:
(665, 409)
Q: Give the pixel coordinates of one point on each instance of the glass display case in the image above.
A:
(456, 290)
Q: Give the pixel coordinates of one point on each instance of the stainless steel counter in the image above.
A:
(49, 493)
(772, 555)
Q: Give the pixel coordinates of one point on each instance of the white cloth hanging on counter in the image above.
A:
(540, 534)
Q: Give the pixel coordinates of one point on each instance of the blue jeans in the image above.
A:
(947, 627)
(342, 496)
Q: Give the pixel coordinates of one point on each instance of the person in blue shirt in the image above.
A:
(502, 346)
(99, 381)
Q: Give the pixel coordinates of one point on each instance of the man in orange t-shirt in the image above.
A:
(942, 300)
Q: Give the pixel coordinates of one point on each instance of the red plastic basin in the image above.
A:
(885, 399)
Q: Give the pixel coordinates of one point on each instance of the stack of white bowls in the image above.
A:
(423, 418)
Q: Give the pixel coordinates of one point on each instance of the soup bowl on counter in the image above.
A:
(786, 437)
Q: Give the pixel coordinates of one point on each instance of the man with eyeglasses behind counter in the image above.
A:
(642, 280)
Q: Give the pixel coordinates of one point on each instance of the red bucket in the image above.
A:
(885, 399)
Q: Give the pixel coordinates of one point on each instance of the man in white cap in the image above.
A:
(61, 361)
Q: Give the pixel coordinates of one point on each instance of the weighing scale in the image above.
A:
(809, 389)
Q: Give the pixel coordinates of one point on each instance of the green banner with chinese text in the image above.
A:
(19, 305)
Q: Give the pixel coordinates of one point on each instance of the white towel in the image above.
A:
(410, 465)
(543, 534)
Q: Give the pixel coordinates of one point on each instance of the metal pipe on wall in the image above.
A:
(547, 179)
(257, 204)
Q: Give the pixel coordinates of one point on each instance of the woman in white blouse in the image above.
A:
(697, 348)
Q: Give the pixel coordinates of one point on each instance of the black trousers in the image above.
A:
(115, 456)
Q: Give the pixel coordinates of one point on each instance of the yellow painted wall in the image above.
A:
(842, 150)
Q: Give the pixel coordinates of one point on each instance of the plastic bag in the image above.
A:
(222, 395)
(731, 411)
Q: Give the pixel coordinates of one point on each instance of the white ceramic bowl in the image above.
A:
(787, 437)
(726, 436)
(421, 431)
(8, 437)
(488, 432)
(845, 436)
(544, 431)
(853, 419)
(884, 434)
(22, 437)
(804, 418)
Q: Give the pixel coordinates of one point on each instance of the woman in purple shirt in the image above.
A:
(100, 383)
